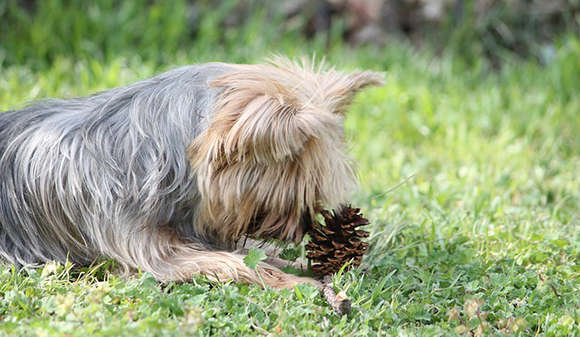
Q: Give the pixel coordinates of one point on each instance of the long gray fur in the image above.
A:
(92, 163)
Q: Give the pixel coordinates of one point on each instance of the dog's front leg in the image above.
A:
(225, 266)
(272, 252)
(171, 258)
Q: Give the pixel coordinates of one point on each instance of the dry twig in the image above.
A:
(339, 302)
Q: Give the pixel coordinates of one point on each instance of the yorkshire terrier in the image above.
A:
(167, 175)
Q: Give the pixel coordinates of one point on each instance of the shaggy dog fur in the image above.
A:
(167, 174)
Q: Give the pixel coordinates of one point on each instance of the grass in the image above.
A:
(470, 179)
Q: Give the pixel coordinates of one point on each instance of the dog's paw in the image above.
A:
(280, 280)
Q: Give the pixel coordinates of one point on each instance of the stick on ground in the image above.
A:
(339, 302)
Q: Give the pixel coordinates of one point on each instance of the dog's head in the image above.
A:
(274, 151)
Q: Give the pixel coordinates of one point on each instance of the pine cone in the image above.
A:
(338, 241)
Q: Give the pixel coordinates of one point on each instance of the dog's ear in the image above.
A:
(334, 88)
(262, 116)
(339, 89)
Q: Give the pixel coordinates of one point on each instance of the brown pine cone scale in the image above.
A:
(338, 241)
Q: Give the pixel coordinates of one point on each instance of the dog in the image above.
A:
(168, 174)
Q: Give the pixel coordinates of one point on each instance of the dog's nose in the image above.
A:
(306, 221)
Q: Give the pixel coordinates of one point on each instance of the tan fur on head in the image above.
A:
(274, 149)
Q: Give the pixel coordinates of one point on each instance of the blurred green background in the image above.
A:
(39, 32)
